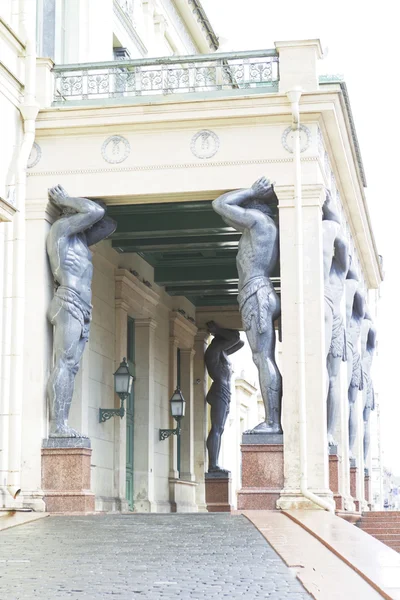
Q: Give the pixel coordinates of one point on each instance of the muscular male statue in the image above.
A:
(225, 342)
(368, 347)
(355, 310)
(336, 266)
(249, 211)
(82, 224)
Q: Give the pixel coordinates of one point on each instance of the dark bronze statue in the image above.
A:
(336, 266)
(249, 211)
(82, 223)
(355, 311)
(225, 342)
(368, 347)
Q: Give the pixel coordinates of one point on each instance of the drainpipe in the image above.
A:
(294, 99)
(29, 110)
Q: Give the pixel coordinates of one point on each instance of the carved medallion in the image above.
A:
(115, 149)
(34, 156)
(305, 139)
(204, 144)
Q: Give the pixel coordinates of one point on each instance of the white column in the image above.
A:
(121, 344)
(187, 435)
(38, 350)
(200, 417)
(173, 382)
(315, 370)
(144, 430)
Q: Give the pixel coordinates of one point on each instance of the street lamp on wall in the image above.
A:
(177, 405)
(123, 380)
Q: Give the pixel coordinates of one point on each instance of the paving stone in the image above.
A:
(149, 557)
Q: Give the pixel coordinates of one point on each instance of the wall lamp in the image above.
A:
(123, 380)
(177, 405)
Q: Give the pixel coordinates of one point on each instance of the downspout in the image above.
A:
(294, 99)
(29, 110)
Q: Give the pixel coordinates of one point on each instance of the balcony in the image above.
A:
(122, 81)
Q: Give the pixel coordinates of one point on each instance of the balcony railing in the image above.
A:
(167, 75)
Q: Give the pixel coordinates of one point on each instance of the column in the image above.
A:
(315, 369)
(200, 417)
(187, 435)
(38, 350)
(121, 343)
(173, 382)
(144, 430)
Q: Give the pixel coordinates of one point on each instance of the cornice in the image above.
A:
(7, 210)
(127, 284)
(181, 329)
(130, 29)
(163, 167)
(7, 33)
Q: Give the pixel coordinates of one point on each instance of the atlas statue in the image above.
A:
(224, 343)
(336, 265)
(368, 347)
(355, 311)
(250, 212)
(82, 224)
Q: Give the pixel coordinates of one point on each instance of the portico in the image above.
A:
(158, 161)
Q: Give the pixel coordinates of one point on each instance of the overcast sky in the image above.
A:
(362, 43)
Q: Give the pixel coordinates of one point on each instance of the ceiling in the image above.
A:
(192, 250)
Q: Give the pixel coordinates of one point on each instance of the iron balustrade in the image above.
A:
(167, 75)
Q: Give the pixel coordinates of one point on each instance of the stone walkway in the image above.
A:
(137, 557)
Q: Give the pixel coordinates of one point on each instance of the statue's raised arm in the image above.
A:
(237, 207)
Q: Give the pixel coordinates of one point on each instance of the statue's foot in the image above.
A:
(265, 427)
(331, 440)
(218, 470)
(63, 431)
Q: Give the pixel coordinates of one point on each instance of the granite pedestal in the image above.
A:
(218, 491)
(353, 483)
(367, 488)
(262, 471)
(334, 474)
(66, 475)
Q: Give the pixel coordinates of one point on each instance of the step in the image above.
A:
(393, 514)
(373, 529)
(378, 532)
(388, 538)
(378, 524)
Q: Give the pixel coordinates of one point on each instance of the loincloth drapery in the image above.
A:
(70, 301)
(369, 391)
(328, 297)
(338, 347)
(357, 379)
(254, 301)
(219, 392)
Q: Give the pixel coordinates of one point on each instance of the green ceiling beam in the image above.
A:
(217, 274)
(166, 245)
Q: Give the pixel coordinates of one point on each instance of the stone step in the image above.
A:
(378, 532)
(386, 538)
(378, 528)
(381, 513)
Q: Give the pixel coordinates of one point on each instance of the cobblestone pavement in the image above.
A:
(137, 557)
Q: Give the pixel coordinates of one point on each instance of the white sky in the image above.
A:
(363, 44)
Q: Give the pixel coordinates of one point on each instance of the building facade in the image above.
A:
(109, 109)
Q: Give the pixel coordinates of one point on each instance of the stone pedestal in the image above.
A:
(367, 488)
(334, 475)
(353, 483)
(262, 471)
(218, 492)
(66, 475)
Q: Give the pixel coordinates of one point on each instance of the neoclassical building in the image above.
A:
(131, 103)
